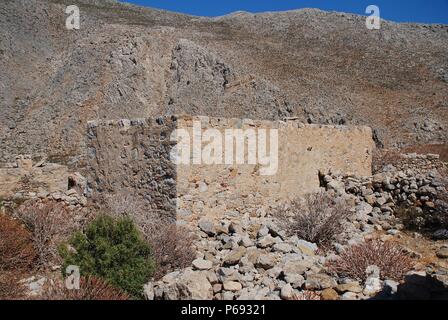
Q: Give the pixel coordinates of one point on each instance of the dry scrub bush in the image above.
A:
(16, 246)
(10, 288)
(306, 295)
(172, 245)
(318, 217)
(51, 223)
(172, 248)
(90, 288)
(388, 256)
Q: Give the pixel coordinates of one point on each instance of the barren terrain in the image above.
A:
(128, 62)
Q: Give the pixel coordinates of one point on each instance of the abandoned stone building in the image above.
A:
(135, 157)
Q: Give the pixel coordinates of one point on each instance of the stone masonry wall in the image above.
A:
(133, 156)
(303, 152)
(24, 178)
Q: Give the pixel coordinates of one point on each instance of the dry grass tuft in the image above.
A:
(317, 218)
(388, 256)
(90, 288)
(51, 224)
(306, 295)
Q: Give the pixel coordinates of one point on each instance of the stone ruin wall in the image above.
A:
(23, 178)
(133, 157)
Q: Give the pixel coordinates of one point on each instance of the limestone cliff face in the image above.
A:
(131, 62)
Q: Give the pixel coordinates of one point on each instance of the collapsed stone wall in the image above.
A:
(25, 177)
(133, 156)
(24, 180)
(421, 186)
(387, 160)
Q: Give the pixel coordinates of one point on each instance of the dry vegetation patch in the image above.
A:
(316, 217)
(10, 288)
(51, 223)
(388, 256)
(172, 245)
(16, 246)
(306, 295)
(90, 288)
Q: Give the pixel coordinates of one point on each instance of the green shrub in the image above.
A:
(113, 250)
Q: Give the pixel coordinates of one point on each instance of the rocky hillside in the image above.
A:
(127, 62)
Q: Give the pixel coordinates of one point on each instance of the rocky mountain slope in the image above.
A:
(128, 62)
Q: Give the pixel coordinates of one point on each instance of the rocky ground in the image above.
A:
(250, 257)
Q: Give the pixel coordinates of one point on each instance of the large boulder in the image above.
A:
(185, 285)
(235, 256)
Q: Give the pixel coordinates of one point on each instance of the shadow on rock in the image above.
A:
(418, 287)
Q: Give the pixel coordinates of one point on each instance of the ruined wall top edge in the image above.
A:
(186, 120)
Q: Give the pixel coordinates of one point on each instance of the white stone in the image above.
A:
(148, 291)
(201, 264)
(287, 292)
(232, 286)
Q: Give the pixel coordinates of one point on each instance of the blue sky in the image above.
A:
(429, 11)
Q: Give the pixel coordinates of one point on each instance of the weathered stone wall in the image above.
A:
(303, 152)
(134, 157)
